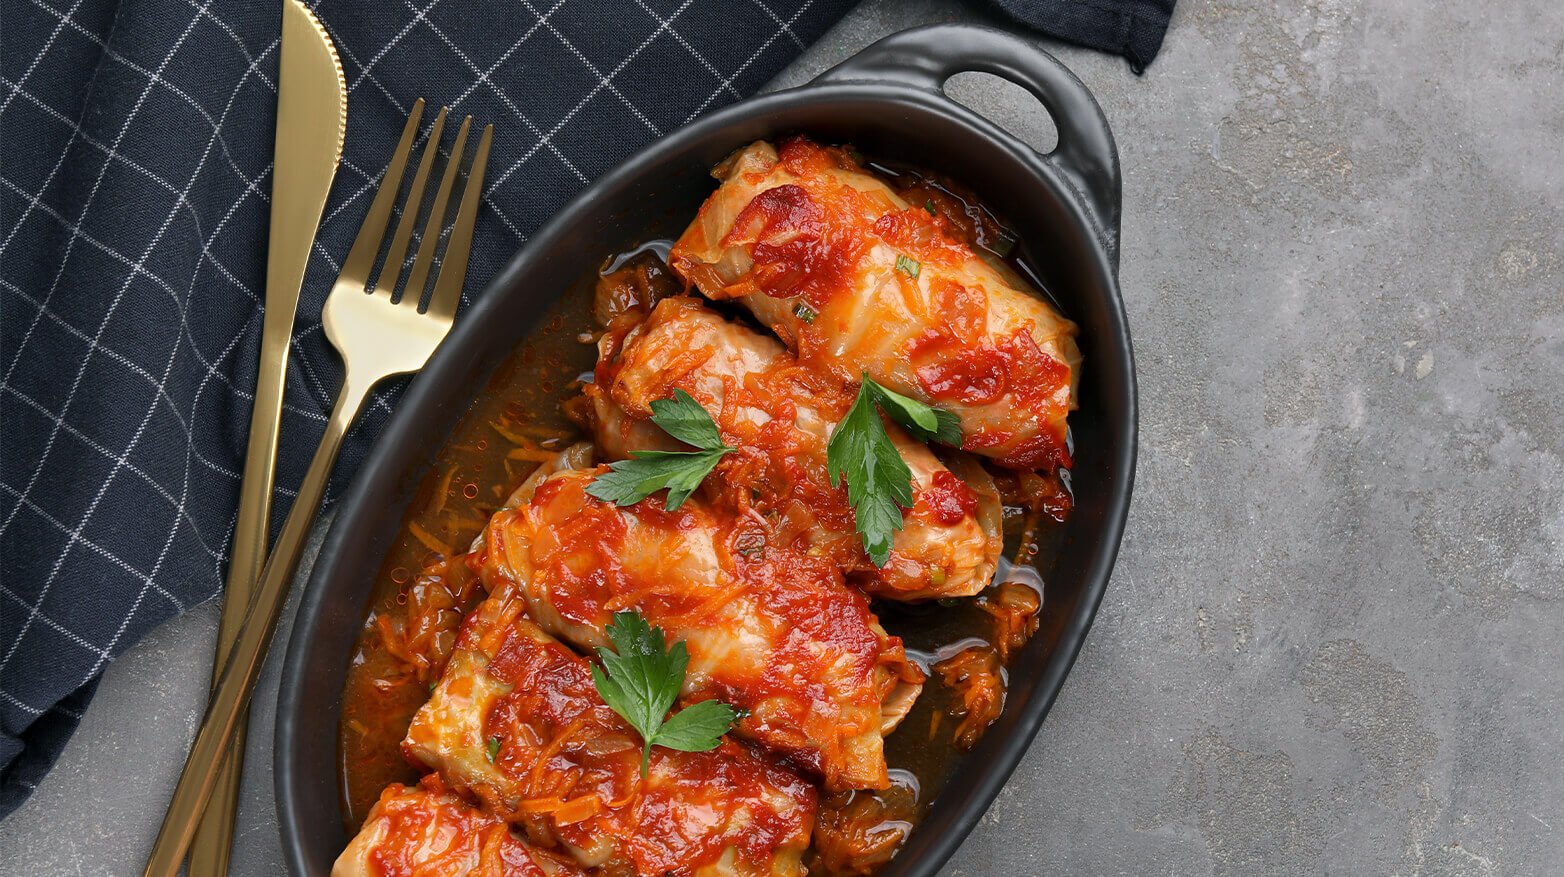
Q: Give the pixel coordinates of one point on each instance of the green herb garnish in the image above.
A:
(681, 472)
(879, 484)
(683, 418)
(909, 266)
(929, 205)
(494, 749)
(805, 312)
(640, 679)
(925, 422)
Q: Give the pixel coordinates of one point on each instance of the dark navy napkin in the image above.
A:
(1132, 28)
(135, 152)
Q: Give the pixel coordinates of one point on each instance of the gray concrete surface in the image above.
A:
(1334, 643)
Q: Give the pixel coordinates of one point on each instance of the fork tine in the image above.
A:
(453, 268)
(361, 258)
(430, 239)
(415, 198)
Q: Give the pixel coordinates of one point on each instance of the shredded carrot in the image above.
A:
(547, 804)
(512, 437)
(493, 852)
(635, 788)
(500, 629)
(428, 539)
(442, 490)
(578, 810)
(472, 523)
(715, 602)
(553, 747)
(535, 455)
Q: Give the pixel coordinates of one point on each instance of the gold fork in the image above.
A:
(378, 336)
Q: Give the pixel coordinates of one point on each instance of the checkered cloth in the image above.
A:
(135, 153)
(135, 158)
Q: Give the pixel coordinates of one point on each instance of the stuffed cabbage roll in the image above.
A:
(517, 722)
(856, 280)
(775, 632)
(780, 415)
(428, 831)
(421, 637)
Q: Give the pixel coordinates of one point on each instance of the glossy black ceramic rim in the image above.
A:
(893, 84)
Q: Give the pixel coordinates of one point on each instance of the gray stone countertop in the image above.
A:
(1334, 642)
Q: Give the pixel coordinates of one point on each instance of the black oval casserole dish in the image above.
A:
(886, 101)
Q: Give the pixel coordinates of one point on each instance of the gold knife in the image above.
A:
(312, 104)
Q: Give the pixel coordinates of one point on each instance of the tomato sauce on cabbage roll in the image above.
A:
(779, 415)
(516, 721)
(428, 831)
(771, 631)
(857, 280)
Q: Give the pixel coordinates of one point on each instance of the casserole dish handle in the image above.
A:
(925, 57)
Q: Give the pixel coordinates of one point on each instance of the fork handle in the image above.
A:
(237, 682)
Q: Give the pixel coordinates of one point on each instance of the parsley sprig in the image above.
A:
(681, 472)
(925, 422)
(879, 484)
(640, 679)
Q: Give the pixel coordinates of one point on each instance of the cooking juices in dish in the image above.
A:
(472, 702)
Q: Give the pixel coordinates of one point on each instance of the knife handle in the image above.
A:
(213, 845)
(237, 682)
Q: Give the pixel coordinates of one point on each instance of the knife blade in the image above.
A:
(311, 127)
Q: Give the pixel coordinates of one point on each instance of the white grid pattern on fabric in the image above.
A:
(75, 535)
(170, 236)
(728, 81)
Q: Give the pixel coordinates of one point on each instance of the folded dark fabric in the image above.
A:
(137, 142)
(1132, 28)
(135, 157)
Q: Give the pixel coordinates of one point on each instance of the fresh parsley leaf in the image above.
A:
(909, 266)
(805, 312)
(698, 727)
(642, 670)
(879, 484)
(680, 472)
(494, 749)
(683, 418)
(647, 472)
(640, 679)
(925, 422)
(929, 206)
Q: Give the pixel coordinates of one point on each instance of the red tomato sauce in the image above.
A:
(522, 416)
